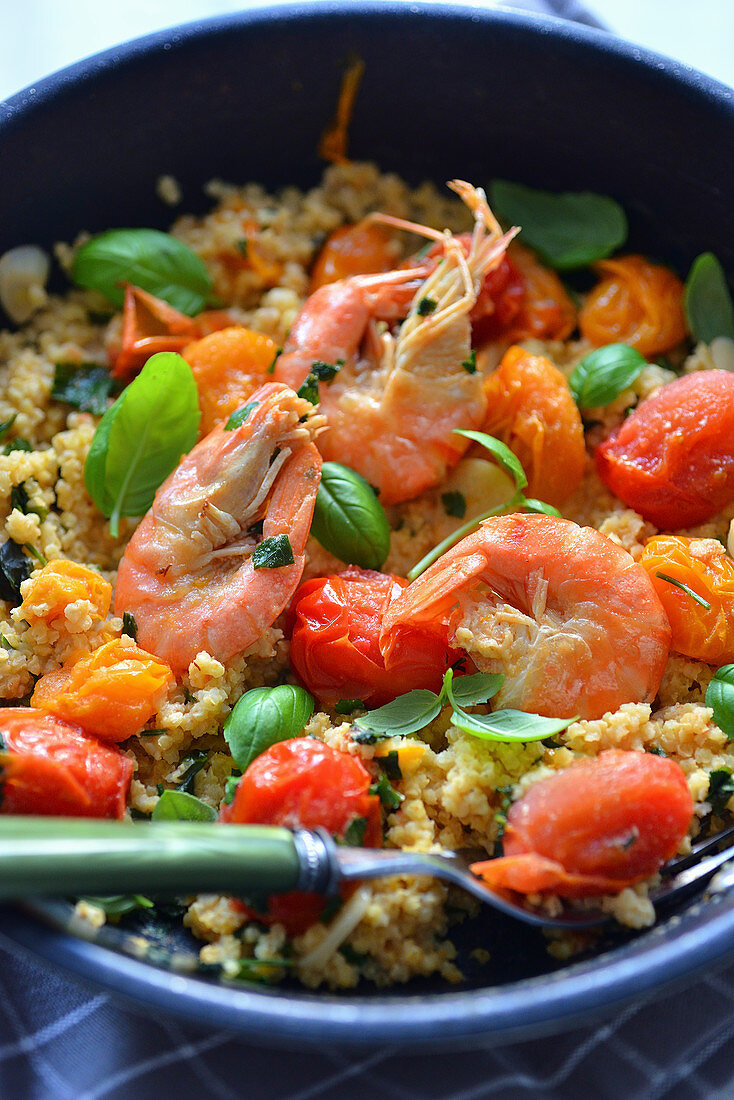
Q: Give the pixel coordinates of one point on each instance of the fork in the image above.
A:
(44, 856)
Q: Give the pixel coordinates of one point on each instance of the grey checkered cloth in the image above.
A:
(61, 1038)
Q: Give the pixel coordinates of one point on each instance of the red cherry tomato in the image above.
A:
(600, 825)
(303, 783)
(335, 641)
(672, 459)
(52, 767)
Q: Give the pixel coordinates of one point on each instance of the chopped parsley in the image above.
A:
(454, 504)
(470, 364)
(721, 788)
(129, 625)
(273, 553)
(426, 306)
(85, 386)
(238, 418)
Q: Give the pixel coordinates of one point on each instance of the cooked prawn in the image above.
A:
(392, 408)
(187, 574)
(566, 614)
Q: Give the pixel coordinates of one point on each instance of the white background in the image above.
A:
(39, 36)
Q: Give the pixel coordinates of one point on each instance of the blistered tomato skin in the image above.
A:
(335, 650)
(672, 459)
(303, 783)
(53, 767)
(600, 825)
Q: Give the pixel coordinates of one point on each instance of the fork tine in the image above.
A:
(699, 849)
(697, 873)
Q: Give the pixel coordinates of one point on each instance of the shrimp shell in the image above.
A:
(566, 614)
(187, 573)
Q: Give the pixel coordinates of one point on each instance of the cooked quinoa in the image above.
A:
(454, 786)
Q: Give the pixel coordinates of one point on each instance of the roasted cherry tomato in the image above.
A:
(228, 365)
(303, 783)
(335, 641)
(361, 249)
(52, 767)
(546, 310)
(672, 459)
(637, 303)
(530, 408)
(704, 567)
(597, 826)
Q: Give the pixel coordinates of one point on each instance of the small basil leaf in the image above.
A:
(230, 789)
(721, 788)
(348, 706)
(406, 714)
(529, 504)
(15, 567)
(348, 519)
(273, 553)
(180, 806)
(426, 306)
(509, 462)
(129, 625)
(238, 417)
(18, 444)
(468, 691)
(720, 697)
(603, 374)
(509, 725)
(567, 230)
(264, 716)
(141, 438)
(709, 307)
(86, 386)
(389, 797)
(355, 832)
(155, 261)
(195, 761)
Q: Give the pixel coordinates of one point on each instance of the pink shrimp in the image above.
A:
(187, 574)
(566, 614)
(392, 408)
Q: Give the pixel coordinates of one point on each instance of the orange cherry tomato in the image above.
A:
(335, 639)
(637, 303)
(597, 826)
(546, 311)
(52, 767)
(303, 783)
(51, 589)
(703, 566)
(228, 366)
(361, 249)
(672, 459)
(111, 692)
(531, 409)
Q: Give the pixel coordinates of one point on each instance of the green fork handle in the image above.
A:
(45, 856)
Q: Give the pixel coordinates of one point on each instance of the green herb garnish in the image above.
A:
(264, 716)
(389, 797)
(470, 364)
(141, 438)
(129, 625)
(720, 697)
(721, 788)
(147, 258)
(605, 373)
(238, 417)
(348, 519)
(181, 806)
(454, 504)
(567, 230)
(426, 306)
(86, 386)
(273, 553)
(15, 567)
(708, 302)
(684, 588)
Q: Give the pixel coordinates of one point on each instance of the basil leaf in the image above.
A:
(273, 553)
(406, 714)
(86, 386)
(720, 697)
(509, 725)
(348, 519)
(426, 306)
(154, 261)
(509, 462)
(230, 789)
(348, 706)
(721, 788)
(390, 799)
(129, 625)
(264, 716)
(7, 425)
(238, 417)
(708, 303)
(567, 230)
(141, 438)
(116, 905)
(529, 504)
(18, 444)
(355, 832)
(468, 691)
(15, 567)
(454, 504)
(603, 374)
(180, 806)
(390, 764)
